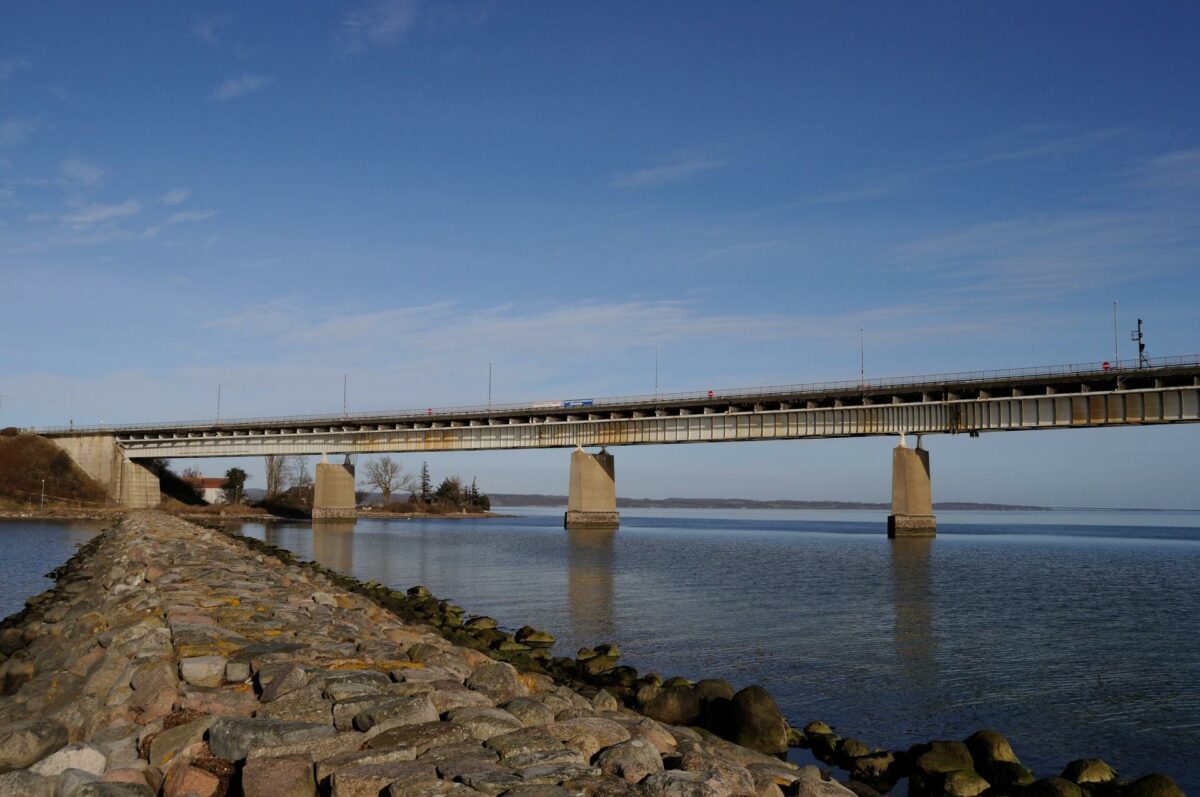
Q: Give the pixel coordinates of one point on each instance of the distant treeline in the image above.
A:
(538, 499)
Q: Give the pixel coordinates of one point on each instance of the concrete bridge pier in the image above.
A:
(333, 493)
(912, 499)
(592, 499)
(128, 483)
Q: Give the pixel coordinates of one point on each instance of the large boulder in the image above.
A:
(23, 743)
(963, 783)
(877, 770)
(675, 705)
(1089, 770)
(988, 746)
(929, 764)
(632, 760)
(1153, 785)
(755, 721)
(1053, 787)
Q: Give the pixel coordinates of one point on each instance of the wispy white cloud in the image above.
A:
(176, 196)
(17, 130)
(1177, 169)
(382, 24)
(208, 28)
(100, 214)
(185, 216)
(11, 66)
(676, 172)
(240, 86)
(76, 172)
(1029, 145)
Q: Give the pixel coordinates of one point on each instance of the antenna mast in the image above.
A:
(1137, 337)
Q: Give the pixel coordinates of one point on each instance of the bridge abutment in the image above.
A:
(333, 492)
(592, 498)
(128, 483)
(912, 497)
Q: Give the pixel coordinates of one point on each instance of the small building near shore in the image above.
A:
(210, 488)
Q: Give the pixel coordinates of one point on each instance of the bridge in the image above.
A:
(1157, 391)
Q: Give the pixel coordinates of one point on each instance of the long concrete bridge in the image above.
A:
(1162, 390)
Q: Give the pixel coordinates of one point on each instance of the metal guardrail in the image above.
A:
(728, 394)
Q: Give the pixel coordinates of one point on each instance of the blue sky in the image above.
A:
(272, 196)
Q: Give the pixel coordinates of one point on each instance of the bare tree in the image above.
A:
(276, 465)
(387, 476)
(295, 472)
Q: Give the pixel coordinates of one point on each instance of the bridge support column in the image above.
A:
(912, 499)
(128, 483)
(592, 500)
(333, 493)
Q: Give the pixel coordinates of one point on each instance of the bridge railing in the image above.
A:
(955, 378)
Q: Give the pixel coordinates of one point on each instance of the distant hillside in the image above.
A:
(538, 499)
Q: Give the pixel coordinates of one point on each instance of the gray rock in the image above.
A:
(284, 776)
(369, 780)
(756, 722)
(203, 670)
(23, 743)
(987, 746)
(353, 758)
(168, 744)
(485, 722)
(421, 737)
(395, 712)
(530, 711)
(1154, 785)
(1089, 770)
(74, 756)
(101, 789)
(675, 705)
(71, 780)
(277, 680)
(498, 681)
(24, 783)
(811, 784)
(633, 760)
(677, 783)
(233, 738)
(237, 672)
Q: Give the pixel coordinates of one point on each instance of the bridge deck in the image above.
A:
(1089, 395)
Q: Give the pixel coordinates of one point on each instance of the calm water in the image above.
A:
(1075, 633)
(29, 549)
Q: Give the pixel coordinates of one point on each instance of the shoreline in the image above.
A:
(177, 658)
(702, 705)
(117, 513)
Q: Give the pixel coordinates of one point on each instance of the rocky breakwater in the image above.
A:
(171, 659)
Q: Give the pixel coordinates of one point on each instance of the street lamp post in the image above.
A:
(656, 372)
(1116, 345)
(862, 369)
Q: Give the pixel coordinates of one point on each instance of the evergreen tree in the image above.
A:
(235, 481)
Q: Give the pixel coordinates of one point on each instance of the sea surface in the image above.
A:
(1074, 633)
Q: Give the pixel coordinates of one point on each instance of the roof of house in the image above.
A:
(205, 481)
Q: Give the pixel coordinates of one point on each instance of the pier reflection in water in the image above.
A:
(333, 544)
(1069, 639)
(590, 583)
(912, 590)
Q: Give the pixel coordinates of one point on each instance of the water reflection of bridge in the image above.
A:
(912, 595)
(590, 583)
